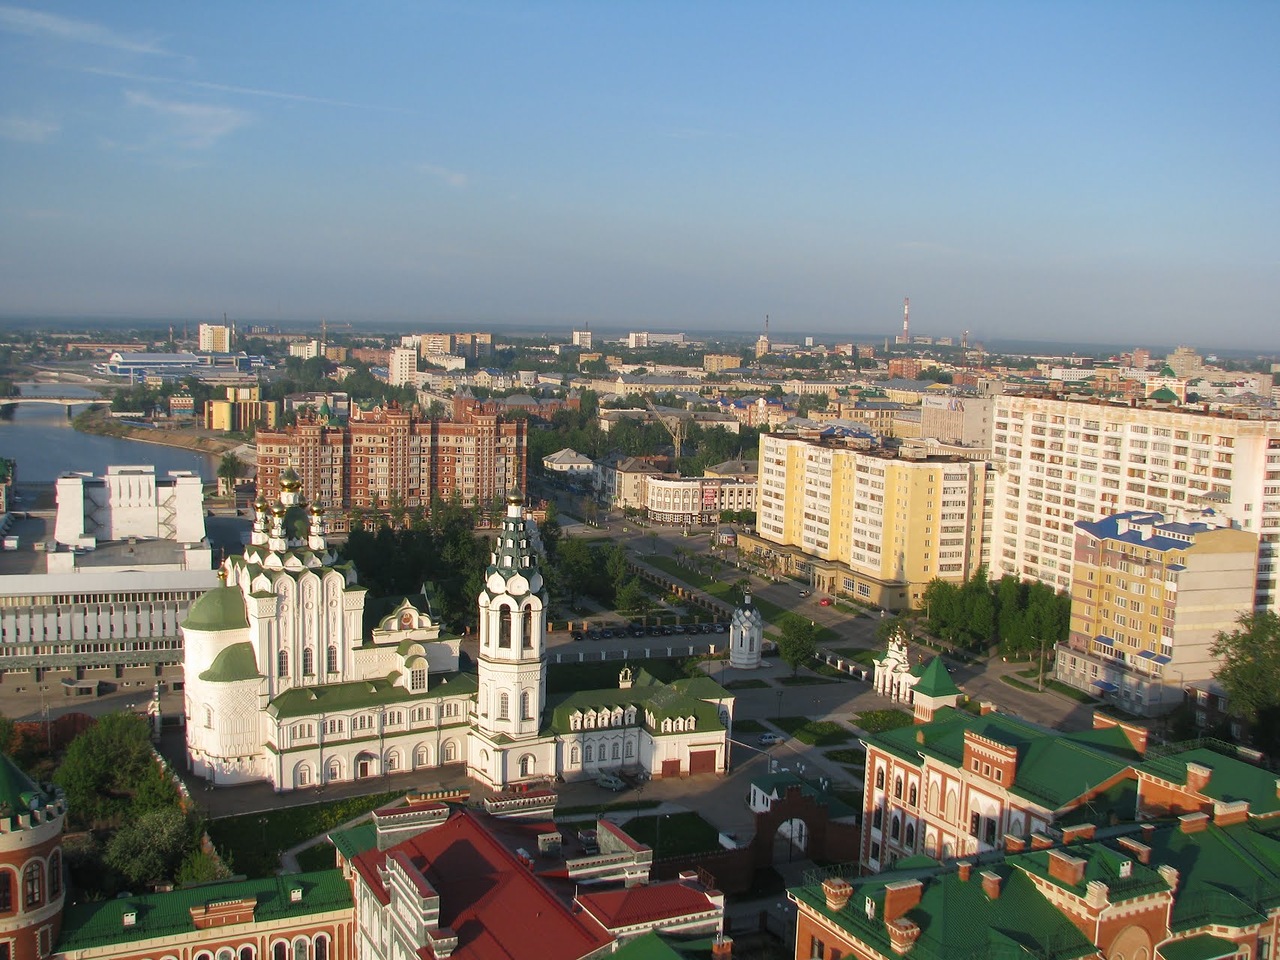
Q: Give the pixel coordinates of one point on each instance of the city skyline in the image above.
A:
(1018, 171)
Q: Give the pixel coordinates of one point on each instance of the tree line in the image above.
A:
(1019, 615)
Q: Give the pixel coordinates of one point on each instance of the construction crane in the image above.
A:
(674, 423)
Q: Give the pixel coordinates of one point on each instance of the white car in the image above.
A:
(769, 739)
(610, 782)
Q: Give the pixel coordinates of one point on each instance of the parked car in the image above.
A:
(679, 628)
(577, 635)
(824, 602)
(719, 627)
(806, 593)
(769, 739)
(610, 782)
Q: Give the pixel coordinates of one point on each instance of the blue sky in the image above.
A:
(1052, 170)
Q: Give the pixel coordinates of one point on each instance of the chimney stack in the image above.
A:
(1141, 852)
(900, 897)
(1193, 822)
(965, 868)
(991, 884)
(837, 891)
(1198, 776)
(1065, 867)
(722, 947)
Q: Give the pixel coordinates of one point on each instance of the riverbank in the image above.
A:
(185, 439)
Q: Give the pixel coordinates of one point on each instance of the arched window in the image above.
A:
(301, 949)
(912, 795)
(308, 661)
(587, 753)
(208, 717)
(877, 818)
(526, 629)
(32, 885)
(304, 775)
(933, 798)
(526, 711)
(55, 873)
(895, 827)
(335, 769)
(573, 756)
(909, 837)
(897, 788)
(421, 756)
(617, 751)
(450, 751)
(393, 761)
(204, 955)
(526, 765)
(226, 953)
(6, 891)
(282, 663)
(504, 627)
(280, 951)
(504, 706)
(322, 948)
(246, 952)
(331, 659)
(631, 749)
(880, 778)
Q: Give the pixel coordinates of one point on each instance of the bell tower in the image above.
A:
(513, 624)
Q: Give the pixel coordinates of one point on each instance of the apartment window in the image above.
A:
(817, 949)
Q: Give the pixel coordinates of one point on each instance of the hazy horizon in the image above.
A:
(1017, 170)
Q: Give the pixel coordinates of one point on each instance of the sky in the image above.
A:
(1068, 170)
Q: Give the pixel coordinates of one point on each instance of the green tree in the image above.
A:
(149, 848)
(230, 469)
(631, 597)
(107, 766)
(798, 642)
(576, 563)
(1250, 673)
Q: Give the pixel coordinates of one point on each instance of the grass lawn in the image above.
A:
(805, 681)
(878, 721)
(826, 670)
(749, 726)
(254, 841)
(849, 755)
(1018, 684)
(603, 675)
(320, 857)
(1072, 692)
(674, 834)
(607, 807)
(857, 654)
(746, 684)
(816, 733)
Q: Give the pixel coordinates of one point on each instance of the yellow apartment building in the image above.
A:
(867, 524)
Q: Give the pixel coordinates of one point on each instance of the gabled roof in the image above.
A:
(630, 906)
(1054, 769)
(1231, 779)
(365, 694)
(495, 905)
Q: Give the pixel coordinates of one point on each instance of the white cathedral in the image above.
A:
(295, 677)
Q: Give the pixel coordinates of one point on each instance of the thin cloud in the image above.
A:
(37, 23)
(242, 91)
(194, 125)
(453, 178)
(27, 130)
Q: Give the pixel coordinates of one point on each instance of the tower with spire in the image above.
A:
(746, 635)
(507, 743)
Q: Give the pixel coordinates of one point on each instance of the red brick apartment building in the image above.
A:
(389, 453)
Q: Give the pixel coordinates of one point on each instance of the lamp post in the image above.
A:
(1041, 683)
(778, 715)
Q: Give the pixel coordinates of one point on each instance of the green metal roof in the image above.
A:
(935, 681)
(664, 700)
(1202, 947)
(1227, 875)
(777, 783)
(1232, 779)
(957, 919)
(652, 946)
(1054, 768)
(236, 662)
(359, 694)
(167, 915)
(222, 608)
(354, 841)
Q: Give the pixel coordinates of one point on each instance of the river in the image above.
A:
(41, 440)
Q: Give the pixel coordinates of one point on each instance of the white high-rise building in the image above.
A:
(215, 338)
(1060, 461)
(402, 370)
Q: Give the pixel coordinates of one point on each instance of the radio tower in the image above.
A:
(906, 321)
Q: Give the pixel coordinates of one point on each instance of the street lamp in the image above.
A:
(1041, 664)
(778, 714)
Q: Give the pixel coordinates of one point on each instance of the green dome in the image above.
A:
(1164, 395)
(222, 608)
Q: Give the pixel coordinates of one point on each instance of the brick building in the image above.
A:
(388, 452)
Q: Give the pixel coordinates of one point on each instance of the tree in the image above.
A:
(149, 848)
(799, 641)
(1250, 673)
(631, 597)
(107, 766)
(230, 469)
(576, 563)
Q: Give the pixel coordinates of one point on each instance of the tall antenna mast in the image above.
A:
(906, 319)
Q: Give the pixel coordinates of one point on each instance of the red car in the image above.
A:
(824, 602)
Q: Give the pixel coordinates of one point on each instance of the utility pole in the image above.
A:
(1041, 664)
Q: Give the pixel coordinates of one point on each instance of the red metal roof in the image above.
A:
(616, 909)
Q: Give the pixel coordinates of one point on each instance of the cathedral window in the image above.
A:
(897, 788)
(880, 778)
(301, 949)
(504, 706)
(280, 951)
(573, 756)
(909, 838)
(504, 628)
(587, 753)
(394, 718)
(421, 757)
(246, 953)
(282, 663)
(526, 629)
(912, 795)
(208, 717)
(450, 750)
(322, 948)
(331, 659)
(631, 749)
(417, 679)
(6, 891)
(617, 751)
(308, 661)
(526, 711)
